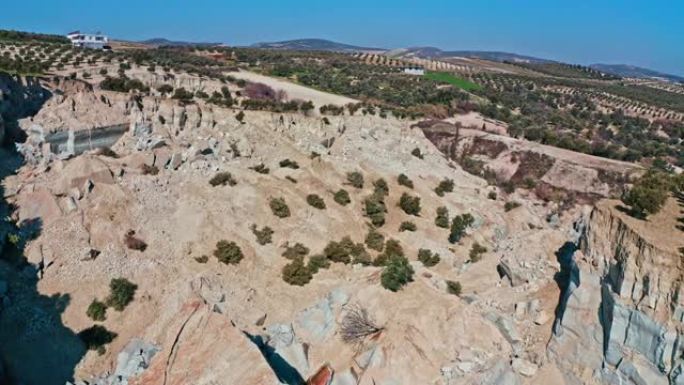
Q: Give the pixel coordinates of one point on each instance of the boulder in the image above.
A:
(228, 357)
(524, 367)
(82, 169)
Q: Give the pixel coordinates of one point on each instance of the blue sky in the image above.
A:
(644, 33)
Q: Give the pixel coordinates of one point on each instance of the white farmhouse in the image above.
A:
(416, 70)
(88, 40)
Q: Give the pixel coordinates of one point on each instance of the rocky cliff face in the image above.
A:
(19, 97)
(628, 305)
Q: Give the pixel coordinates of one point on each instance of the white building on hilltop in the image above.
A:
(88, 40)
(414, 70)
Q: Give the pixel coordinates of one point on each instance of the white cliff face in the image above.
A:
(627, 306)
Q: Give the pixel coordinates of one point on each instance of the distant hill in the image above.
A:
(433, 52)
(315, 45)
(628, 71)
(160, 41)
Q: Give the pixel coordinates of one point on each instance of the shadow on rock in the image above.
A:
(567, 279)
(35, 347)
(285, 372)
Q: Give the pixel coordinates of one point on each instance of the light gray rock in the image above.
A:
(176, 161)
(346, 377)
(371, 358)
(524, 367)
(501, 374)
(317, 323)
(134, 358)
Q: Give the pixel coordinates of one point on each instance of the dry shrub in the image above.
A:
(134, 243)
(260, 91)
(357, 324)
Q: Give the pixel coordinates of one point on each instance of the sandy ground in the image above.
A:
(295, 91)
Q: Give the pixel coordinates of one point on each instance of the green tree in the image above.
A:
(458, 227)
(121, 293)
(404, 180)
(396, 274)
(342, 197)
(649, 193)
(97, 311)
(428, 258)
(297, 273)
(279, 207)
(228, 252)
(355, 179)
(410, 205)
(442, 219)
(315, 201)
(454, 287)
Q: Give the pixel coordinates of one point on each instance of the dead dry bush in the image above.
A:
(357, 324)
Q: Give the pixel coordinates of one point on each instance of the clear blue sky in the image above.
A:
(644, 33)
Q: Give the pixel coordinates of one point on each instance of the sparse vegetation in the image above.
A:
(404, 180)
(380, 187)
(261, 168)
(97, 311)
(445, 186)
(133, 242)
(375, 209)
(458, 227)
(240, 116)
(121, 293)
(297, 273)
(279, 207)
(375, 240)
(342, 197)
(339, 251)
(410, 205)
(149, 170)
(392, 249)
(454, 288)
(416, 152)
(315, 201)
(649, 193)
(317, 262)
(428, 258)
(287, 163)
(264, 235)
(476, 252)
(397, 273)
(442, 219)
(228, 253)
(295, 251)
(222, 179)
(356, 325)
(510, 205)
(355, 179)
(407, 226)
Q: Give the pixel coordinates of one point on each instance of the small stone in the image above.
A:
(520, 310)
(69, 204)
(541, 318)
(524, 367)
(176, 161)
(533, 306)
